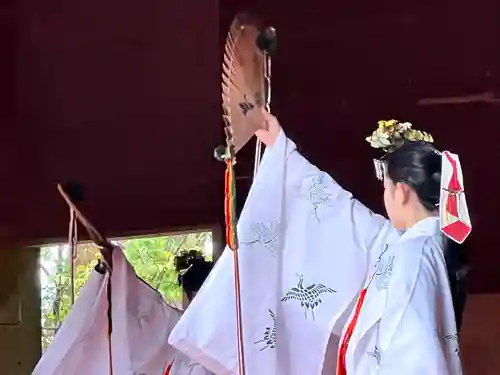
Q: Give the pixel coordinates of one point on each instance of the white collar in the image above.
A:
(426, 227)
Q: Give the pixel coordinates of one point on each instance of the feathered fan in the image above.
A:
(244, 80)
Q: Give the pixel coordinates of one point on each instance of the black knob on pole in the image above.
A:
(267, 41)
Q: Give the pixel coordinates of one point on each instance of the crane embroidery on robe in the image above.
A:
(265, 235)
(269, 339)
(454, 341)
(376, 354)
(308, 296)
(383, 270)
(317, 195)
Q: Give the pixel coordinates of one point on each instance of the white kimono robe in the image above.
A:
(407, 322)
(306, 248)
(183, 365)
(141, 320)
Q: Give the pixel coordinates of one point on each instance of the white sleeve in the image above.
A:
(284, 221)
(366, 225)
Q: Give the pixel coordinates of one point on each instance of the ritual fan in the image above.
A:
(246, 74)
(487, 97)
(246, 92)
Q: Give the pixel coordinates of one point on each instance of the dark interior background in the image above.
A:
(124, 97)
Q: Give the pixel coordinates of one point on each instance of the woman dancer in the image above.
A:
(317, 265)
(404, 319)
(192, 270)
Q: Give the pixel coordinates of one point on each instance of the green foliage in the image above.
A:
(151, 257)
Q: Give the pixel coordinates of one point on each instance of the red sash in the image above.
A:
(341, 364)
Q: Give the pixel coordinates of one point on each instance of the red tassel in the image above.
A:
(229, 207)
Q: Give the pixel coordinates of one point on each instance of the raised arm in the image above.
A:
(367, 226)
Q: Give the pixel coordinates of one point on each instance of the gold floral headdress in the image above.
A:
(389, 136)
(454, 216)
(392, 134)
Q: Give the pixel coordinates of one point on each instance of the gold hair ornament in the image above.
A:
(391, 134)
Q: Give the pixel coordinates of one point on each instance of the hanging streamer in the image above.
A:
(232, 242)
(230, 206)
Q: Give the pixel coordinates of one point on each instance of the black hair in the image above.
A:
(193, 269)
(418, 164)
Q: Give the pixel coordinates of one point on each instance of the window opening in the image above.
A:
(152, 258)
